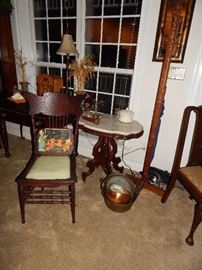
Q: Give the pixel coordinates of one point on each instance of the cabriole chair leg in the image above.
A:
(196, 221)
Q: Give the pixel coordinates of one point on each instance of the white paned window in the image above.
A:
(106, 29)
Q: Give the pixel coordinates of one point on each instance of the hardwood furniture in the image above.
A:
(49, 176)
(108, 131)
(48, 83)
(191, 174)
(15, 113)
(7, 59)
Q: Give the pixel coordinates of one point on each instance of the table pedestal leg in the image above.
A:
(104, 153)
(4, 136)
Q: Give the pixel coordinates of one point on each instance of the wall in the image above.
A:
(179, 93)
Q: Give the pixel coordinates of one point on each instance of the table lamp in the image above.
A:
(67, 48)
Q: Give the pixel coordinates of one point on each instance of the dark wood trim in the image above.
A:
(7, 58)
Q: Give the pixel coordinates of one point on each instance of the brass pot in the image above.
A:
(119, 192)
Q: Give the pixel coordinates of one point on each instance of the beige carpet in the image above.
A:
(149, 236)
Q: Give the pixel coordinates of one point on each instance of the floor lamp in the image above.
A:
(67, 48)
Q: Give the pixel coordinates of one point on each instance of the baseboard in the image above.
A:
(14, 129)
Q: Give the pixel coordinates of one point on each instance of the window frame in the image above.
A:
(80, 35)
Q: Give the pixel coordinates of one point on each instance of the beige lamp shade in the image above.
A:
(67, 46)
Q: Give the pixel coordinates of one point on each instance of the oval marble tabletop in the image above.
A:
(110, 124)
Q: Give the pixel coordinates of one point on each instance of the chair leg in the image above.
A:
(196, 221)
(72, 201)
(22, 203)
(169, 188)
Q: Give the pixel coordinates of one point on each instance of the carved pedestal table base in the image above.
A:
(108, 131)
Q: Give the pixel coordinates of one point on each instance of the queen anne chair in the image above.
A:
(190, 175)
(50, 174)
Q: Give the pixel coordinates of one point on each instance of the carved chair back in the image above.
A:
(50, 114)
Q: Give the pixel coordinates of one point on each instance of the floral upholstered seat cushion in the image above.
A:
(50, 167)
(194, 174)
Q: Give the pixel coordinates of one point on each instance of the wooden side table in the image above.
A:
(108, 131)
(14, 113)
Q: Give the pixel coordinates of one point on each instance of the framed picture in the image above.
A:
(164, 24)
(55, 141)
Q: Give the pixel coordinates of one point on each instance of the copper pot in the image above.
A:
(119, 192)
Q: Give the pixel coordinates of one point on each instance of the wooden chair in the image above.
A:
(48, 83)
(50, 174)
(190, 175)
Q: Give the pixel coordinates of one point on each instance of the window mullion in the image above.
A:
(100, 55)
(117, 56)
(47, 27)
(80, 27)
(115, 51)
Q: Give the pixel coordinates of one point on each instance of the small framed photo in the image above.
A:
(164, 24)
(55, 141)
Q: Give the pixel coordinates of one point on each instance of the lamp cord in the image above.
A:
(89, 139)
(131, 171)
(122, 157)
(122, 154)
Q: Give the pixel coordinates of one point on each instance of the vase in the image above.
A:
(24, 86)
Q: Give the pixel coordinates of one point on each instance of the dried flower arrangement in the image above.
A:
(91, 104)
(91, 108)
(21, 63)
(83, 70)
